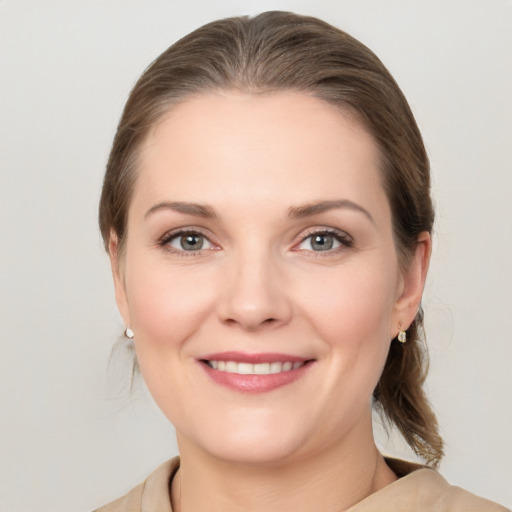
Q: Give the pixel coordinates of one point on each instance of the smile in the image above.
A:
(255, 373)
(254, 369)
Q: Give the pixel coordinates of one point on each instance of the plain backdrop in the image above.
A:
(71, 435)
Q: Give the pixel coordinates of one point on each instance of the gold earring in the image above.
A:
(402, 337)
(128, 333)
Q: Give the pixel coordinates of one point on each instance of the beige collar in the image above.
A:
(418, 489)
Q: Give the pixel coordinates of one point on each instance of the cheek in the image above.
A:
(167, 304)
(351, 311)
(353, 305)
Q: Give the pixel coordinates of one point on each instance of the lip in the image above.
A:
(254, 383)
(244, 357)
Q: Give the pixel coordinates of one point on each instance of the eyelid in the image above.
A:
(164, 240)
(342, 236)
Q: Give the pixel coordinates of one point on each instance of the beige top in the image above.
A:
(418, 489)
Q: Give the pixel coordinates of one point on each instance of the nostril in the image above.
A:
(251, 323)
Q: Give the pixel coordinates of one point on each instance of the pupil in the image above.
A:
(192, 242)
(322, 242)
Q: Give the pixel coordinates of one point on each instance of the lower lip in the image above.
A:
(255, 383)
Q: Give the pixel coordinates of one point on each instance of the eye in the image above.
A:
(322, 241)
(187, 241)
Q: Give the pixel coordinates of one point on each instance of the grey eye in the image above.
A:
(320, 242)
(190, 242)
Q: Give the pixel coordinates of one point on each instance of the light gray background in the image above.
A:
(71, 438)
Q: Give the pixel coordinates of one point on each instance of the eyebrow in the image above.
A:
(197, 209)
(295, 212)
(311, 209)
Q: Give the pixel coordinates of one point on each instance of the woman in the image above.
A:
(267, 214)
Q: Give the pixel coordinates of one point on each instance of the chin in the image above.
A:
(258, 452)
(252, 444)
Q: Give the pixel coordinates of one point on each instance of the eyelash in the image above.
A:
(172, 235)
(343, 238)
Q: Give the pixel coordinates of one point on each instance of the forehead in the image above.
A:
(280, 146)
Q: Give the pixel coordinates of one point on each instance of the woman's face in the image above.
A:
(260, 274)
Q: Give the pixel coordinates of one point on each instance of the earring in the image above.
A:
(128, 333)
(402, 337)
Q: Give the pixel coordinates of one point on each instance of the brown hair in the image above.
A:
(283, 51)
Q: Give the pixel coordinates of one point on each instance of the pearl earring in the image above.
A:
(129, 333)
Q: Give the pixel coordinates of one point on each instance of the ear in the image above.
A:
(117, 274)
(413, 283)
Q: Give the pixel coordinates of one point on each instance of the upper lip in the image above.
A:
(262, 357)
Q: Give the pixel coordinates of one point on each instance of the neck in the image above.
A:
(330, 481)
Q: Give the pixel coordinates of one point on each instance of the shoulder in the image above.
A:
(152, 495)
(422, 489)
(433, 492)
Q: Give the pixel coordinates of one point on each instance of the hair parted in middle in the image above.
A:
(280, 51)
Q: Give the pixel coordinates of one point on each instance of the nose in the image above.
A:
(255, 294)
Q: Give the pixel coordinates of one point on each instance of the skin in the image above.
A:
(259, 285)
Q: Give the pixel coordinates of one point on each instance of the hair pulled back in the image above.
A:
(278, 51)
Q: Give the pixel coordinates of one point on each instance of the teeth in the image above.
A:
(243, 368)
(231, 367)
(261, 368)
(254, 369)
(276, 367)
